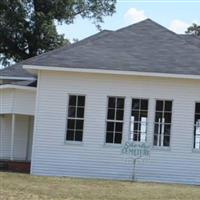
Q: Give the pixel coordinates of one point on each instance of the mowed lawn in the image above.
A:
(25, 187)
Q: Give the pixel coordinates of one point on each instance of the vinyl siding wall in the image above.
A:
(17, 101)
(93, 158)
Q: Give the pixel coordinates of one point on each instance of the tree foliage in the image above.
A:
(27, 27)
(194, 30)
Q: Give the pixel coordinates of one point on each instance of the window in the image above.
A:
(115, 117)
(139, 112)
(75, 120)
(162, 127)
(197, 127)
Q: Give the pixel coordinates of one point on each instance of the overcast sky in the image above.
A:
(176, 15)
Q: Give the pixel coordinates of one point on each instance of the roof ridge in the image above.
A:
(163, 27)
(148, 20)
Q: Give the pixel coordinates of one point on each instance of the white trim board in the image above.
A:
(17, 78)
(32, 68)
(10, 86)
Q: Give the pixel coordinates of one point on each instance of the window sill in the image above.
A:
(111, 145)
(76, 143)
(196, 150)
(161, 148)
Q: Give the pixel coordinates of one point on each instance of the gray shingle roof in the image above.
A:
(15, 71)
(142, 47)
(192, 39)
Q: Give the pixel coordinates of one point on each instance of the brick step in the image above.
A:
(3, 166)
(15, 166)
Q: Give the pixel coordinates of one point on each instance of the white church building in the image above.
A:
(70, 111)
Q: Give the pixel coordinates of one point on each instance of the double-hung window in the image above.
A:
(75, 119)
(162, 126)
(138, 126)
(114, 122)
(197, 127)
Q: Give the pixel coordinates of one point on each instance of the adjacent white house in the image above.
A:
(140, 83)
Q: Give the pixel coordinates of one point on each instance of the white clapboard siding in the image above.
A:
(17, 101)
(23, 133)
(52, 156)
(6, 101)
(5, 136)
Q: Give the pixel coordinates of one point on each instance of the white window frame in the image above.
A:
(114, 121)
(163, 124)
(131, 133)
(195, 126)
(75, 118)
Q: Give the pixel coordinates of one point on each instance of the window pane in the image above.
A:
(155, 141)
(111, 114)
(110, 126)
(81, 100)
(71, 124)
(159, 105)
(80, 112)
(158, 117)
(70, 135)
(120, 103)
(168, 106)
(166, 141)
(118, 138)
(143, 136)
(136, 114)
(72, 112)
(197, 108)
(109, 137)
(119, 127)
(144, 104)
(143, 127)
(79, 124)
(111, 102)
(120, 114)
(72, 100)
(143, 114)
(197, 118)
(167, 130)
(167, 117)
(78, 136)
(136, 137)
(136, 127)
(135, 104)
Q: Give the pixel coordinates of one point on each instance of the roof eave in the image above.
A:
(10, 86)
(17, 78)
(35, 68)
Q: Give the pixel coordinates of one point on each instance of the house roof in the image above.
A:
(16, 70)
(192, 39)
(142, 47)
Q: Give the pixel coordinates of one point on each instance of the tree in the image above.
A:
(194, 30)
(27, 27)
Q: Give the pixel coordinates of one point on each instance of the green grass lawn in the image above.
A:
(25, 187)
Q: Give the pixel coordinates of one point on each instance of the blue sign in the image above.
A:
(136, 149)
